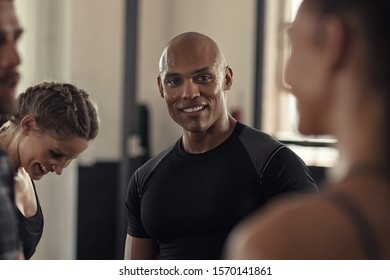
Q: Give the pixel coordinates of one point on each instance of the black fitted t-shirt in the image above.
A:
(189, 203)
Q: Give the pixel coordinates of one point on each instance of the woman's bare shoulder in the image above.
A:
(288, 228)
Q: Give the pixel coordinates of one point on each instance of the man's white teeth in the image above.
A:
(44, 169)
(193, 109)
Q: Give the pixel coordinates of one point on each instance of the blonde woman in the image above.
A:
(55, 122)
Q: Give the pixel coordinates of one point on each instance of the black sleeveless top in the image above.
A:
(31, 229)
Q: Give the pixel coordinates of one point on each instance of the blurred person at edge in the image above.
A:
(339, 72)
(10, 32)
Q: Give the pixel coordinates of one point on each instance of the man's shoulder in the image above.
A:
(248, 131)
(256, 140)
(152, 163)
(158, 157)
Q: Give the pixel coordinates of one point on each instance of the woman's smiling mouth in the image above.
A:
(43, 169)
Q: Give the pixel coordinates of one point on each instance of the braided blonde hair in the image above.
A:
(61, 108)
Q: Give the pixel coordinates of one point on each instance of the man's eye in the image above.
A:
(203, 78)
(173, 82)
(18, 35)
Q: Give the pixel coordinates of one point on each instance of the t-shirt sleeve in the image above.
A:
(133, 208)
(286, 173)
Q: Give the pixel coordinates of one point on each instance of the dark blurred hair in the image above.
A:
(371, 20)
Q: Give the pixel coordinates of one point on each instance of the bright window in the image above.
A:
(280, 114)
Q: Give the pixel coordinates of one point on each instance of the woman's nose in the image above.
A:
(59, 167)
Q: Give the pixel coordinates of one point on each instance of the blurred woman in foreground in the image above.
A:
(339, 71)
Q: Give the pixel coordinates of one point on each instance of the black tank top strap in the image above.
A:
(31, 229)
(368, 238)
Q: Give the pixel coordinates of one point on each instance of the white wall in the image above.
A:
(81, 41)
(97, 60)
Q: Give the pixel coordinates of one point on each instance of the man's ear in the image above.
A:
(27, 124)
(335, 42)
(160, 86)
(228, 78)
